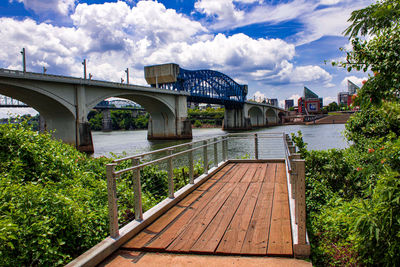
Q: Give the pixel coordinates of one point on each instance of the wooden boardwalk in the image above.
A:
(243, 209)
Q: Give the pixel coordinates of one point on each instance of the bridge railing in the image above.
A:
(213, 151)
(297, 201)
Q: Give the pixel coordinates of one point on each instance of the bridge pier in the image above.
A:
(165, 125)
(107, 122)
(235, 119)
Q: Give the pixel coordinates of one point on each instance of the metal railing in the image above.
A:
(219, 147)
(296, 170)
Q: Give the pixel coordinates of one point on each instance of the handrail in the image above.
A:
(136, 166)
(287, 153)
(157, 151)
(297, 202)
(117, 173)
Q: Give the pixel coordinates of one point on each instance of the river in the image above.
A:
(318, 137)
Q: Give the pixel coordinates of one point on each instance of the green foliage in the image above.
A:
(121, 120)
(53, 199)
(383, 14)
(333, 107)
(207, 116)
(197, 124)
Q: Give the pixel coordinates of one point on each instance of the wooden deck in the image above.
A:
(243, 209)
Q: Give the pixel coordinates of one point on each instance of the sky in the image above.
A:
(276, 47)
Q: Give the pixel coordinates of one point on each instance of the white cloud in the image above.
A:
(356, 80)
(328, 21)
(320, 18)
(237, 55)
(301, 74)
(54, 47)
(114, 36)
(221, 9)
(258, 96)
(329, 99)
(63, 7)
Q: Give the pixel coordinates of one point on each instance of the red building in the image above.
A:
(309, 103)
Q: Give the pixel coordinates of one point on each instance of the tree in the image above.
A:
(333, 106)
(380, 54)
(382, 15)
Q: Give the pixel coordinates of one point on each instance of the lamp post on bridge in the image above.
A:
(23, 59)
(84, 68)
(127, 75)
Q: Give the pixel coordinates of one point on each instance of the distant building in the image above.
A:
(289, 103)
(310, 102)
(345, 98)
(273, 102)
(352, 88)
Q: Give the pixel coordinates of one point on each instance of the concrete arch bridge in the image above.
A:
(64, 103)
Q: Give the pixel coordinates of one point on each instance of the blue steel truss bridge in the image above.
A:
(204, 86)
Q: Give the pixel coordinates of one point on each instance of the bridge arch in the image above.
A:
(256, 116)
(58, 113)
(271, 117)
(162, 112)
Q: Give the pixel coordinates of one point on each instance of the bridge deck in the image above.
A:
(241, 210)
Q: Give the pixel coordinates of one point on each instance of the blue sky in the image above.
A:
(276, 47)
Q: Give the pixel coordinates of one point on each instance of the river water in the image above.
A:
(318, 137)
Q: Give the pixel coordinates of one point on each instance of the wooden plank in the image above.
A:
(280, 238)
(195, 228)
(260, 174)
(270, 173)
(236, 174)
(256, 239)
(210, 238)
(223, 171)
(233, 238)
(189, 199)
(140, 240)
(168, 236)
(248, 176)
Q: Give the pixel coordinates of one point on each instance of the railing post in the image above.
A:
(223, 148)
(292, 148)
(205, 157)
(301, 249)
(137, 190)
(191, 176)
(301, 201)
(226, 148)
(215, 152)
(256, 146)
(293, 175)
(112, 200)
(170, 176)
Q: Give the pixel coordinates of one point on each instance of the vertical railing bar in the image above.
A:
(137, 190)
(301, 201)
(112, 200)
(215, 152)
(170, 176)
(223, 148)
(205, 157)
(191, 169)
(226, 148)
(256, 146)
